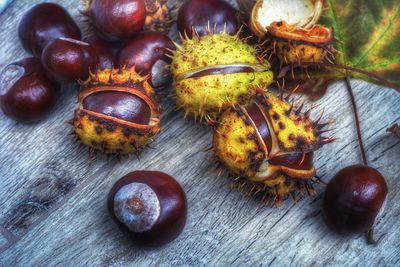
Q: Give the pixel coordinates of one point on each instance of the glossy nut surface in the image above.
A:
(44, 23)
(121, 105)
(106, 52)
(117, 19)
(150, 205)
(26, 94)
(354, 198)
(145, 51)
(67, 60)
(198, 14)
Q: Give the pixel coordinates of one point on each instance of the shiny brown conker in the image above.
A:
(106, 52)
(44, 23)
(354, 199)
(147, 52)
(121, 105)
(117, 19)
(26, 94)
(199, 14)
(67, 60)
(150, 205)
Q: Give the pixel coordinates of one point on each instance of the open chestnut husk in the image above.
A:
(116, 112)
(26, 94)
(116, 20)
(150, 205)
(44, 23)
(296, 13)
(268, 146)
(203, 16)
(354, 199)
(294, 44)
(67, 60)
(148, 53)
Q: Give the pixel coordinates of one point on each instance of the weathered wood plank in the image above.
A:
(52, 197)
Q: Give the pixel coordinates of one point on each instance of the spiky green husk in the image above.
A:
(208, 95)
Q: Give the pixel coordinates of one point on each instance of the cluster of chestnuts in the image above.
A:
(219, 78)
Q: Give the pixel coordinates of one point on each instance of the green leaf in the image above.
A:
(368, 36)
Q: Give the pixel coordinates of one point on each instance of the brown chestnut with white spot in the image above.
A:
(150, 205)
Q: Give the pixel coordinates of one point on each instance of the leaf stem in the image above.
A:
(353, 102)
(339, 66)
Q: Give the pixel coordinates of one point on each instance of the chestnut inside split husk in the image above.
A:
(116, 113)
(149, 205)
(268, 147)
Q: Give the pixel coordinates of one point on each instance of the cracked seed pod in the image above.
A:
(116, 113)
(296, 45)
(216, 70)
(269, 146)
(159, 15)
(301, 13)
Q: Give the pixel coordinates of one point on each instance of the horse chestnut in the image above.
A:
(114, 20)
(354, 198)
(67, 60)
(26, 94)
(117, 113)
(144, 52)
(106, 52)
(204, 15)
(44, 23)
(150, 205)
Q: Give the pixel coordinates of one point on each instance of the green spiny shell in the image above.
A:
(204, 92)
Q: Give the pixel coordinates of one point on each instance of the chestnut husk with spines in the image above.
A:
(114, 122)
(294, 45)
(268, 147)
(207, 81)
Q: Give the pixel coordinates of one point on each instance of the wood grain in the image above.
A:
(52, 197)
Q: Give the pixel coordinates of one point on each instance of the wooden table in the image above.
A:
(53, 197)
